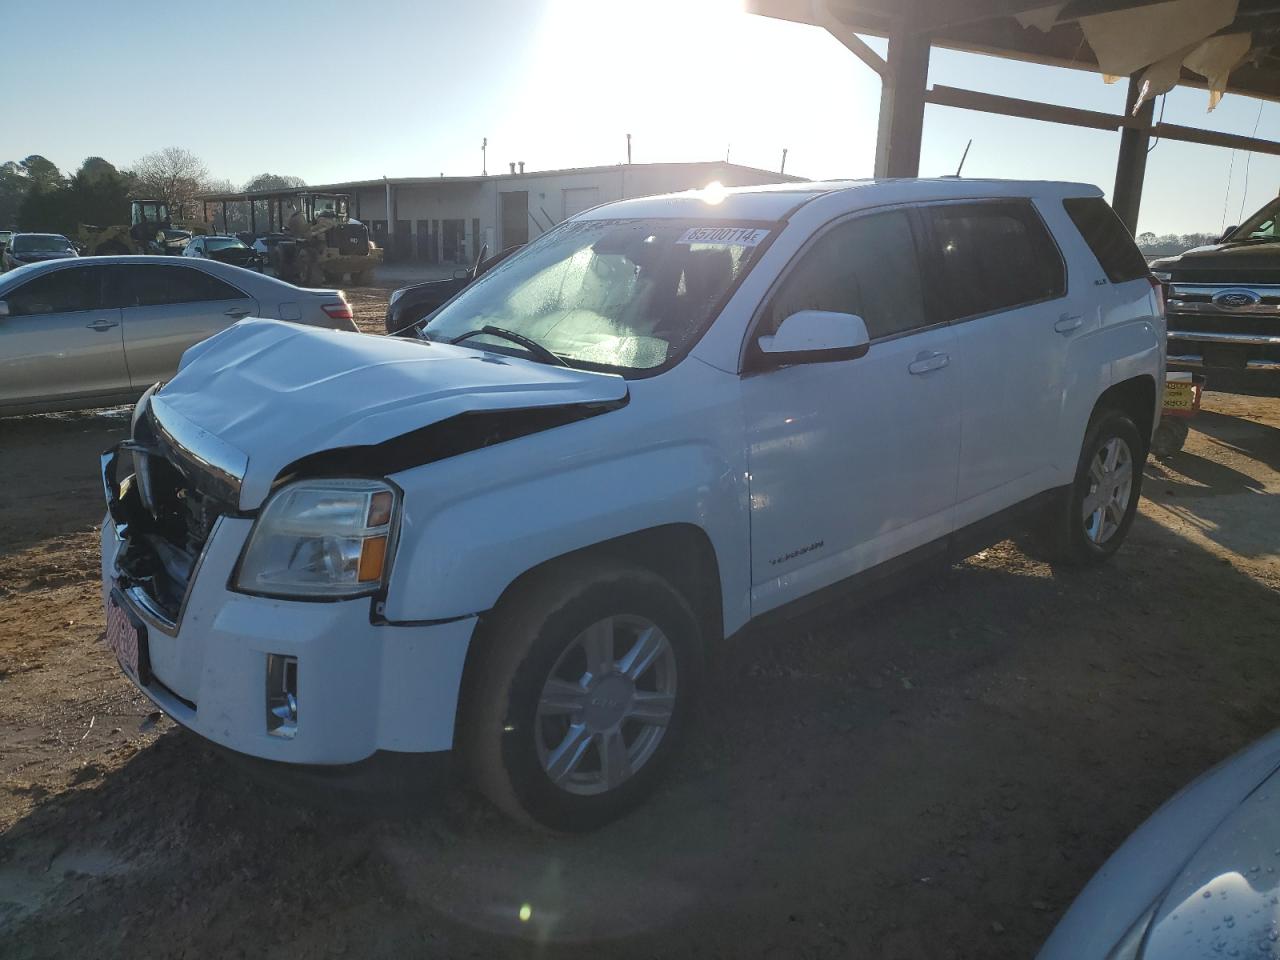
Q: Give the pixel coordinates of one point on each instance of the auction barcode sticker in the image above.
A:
(736, 236)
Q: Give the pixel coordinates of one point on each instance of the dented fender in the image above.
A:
(474, 523)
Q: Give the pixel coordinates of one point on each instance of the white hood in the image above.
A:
(270, 392)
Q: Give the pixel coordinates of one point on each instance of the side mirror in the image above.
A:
(462, 274)
(4, 308)
(816, 336)
(1227, 232)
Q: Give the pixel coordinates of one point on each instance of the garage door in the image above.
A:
(577, 199)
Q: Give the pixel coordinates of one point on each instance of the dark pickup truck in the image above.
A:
(1223, 300)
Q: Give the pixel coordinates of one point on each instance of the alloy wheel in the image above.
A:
(1110, 484)
(606, 704)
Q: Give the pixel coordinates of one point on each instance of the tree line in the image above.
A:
(1168, 244)
(36, 196)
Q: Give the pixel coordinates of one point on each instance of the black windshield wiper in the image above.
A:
(533, 346)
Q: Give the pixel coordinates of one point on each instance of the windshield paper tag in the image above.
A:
(736, 236)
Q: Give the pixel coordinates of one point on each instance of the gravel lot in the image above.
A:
(932, 776)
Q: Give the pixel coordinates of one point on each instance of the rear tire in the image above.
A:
(580, 693)
(1086, 527)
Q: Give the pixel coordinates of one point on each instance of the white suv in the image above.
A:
(660, 422)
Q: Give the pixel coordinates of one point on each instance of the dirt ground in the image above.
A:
(932, 776)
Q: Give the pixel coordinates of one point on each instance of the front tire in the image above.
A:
(1089, 525)
(580, 695)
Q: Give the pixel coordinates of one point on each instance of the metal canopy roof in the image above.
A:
(1153, 41)
(990, 27)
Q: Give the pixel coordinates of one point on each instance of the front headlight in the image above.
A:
(322, 539)
(395, 295)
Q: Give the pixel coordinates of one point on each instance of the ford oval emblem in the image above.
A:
(1236, 298)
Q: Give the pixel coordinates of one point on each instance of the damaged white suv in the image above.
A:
(519, 535)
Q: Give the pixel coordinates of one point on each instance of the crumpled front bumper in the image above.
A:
(361, 687)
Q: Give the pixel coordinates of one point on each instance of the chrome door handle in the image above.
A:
(101, 325)
(237, 313)
(927, 362)
(1068, 322)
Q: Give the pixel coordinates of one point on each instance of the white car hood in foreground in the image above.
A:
(264, 393)
(1199, 879)
(1226, 900)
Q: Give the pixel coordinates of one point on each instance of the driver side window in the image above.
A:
(866, 266)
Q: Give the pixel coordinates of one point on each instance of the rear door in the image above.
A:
(1003, 285)
(168, 307)
(60, 339)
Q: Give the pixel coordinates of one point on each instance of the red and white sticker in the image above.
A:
(731, 236)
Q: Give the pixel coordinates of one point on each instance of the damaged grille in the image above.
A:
(165, 514)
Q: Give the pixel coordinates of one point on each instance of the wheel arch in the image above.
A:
(1135, 397)
(680, 553)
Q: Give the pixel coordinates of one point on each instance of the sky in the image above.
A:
(333, 91)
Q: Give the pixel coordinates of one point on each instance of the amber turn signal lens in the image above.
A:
(373, 555)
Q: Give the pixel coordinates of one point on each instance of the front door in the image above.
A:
(852, 463)
(168, 307)
(60, 339)
(1005, 291)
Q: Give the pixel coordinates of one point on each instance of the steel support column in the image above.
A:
(905, 76)
(1131, 164)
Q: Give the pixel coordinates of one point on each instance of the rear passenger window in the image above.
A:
(1108, 238)
(61, 291)
(147, 285)
(995, 256)
(866, 266)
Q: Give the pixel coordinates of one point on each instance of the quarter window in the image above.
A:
(62, 291)
(994, 256)
(867, 266)
(147, 285)
(1109, 238)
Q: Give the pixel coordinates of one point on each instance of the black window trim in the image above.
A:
(934, 267)
(749, 356)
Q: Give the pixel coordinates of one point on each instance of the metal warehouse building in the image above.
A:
(448, 219)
